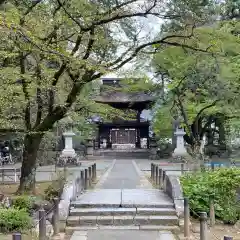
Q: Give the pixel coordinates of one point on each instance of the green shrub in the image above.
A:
(12, 219)
(221, 185)
(23, 202)
(56, 188)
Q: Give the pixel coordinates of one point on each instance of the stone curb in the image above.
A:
(142, 176)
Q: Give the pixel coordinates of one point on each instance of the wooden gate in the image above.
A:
(123, 135)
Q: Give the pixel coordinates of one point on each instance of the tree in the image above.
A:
(202, 87)
(52, 49)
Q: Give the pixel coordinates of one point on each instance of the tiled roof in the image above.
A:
(123, 97)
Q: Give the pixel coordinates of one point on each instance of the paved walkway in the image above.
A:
(123, 175)
(125, 185)
(126, 198)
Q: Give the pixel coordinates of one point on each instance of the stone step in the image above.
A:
(121, 211)
(122, 154)
(175, 229)
(122, 220)
(81, 204)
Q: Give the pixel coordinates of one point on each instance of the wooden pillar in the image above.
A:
(138, 142)
(98, 137)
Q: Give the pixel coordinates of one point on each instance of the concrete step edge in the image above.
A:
(121, 211)
(165, 217)
(175, 229)
(78, 204)
(122, 220)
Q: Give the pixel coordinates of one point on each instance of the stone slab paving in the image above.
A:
(123, 175)
(122, 235)
(124, 197)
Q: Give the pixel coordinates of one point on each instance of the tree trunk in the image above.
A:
(29, 164)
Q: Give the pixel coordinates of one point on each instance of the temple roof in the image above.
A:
(114, 97)
(125, 100)
(122, 99)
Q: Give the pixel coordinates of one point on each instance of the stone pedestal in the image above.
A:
(68, 155)
(68, 150)
(180, 151)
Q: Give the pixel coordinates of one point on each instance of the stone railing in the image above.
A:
(170, 184)
(75, 184)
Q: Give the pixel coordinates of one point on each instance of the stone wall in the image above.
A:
(71, 188)
(172, 186)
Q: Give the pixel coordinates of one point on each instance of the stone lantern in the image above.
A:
(180, 150)
(68, 134)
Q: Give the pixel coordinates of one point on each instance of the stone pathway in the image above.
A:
(125, 197)
(122, 235)
(123, 186)
(123, 175)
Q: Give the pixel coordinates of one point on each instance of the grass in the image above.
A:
(27, 236)
(10, 189)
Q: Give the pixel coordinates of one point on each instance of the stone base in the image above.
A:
(123, 146)
(63, 161)
(68, 153)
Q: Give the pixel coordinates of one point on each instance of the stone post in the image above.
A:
(151, 171)
(42, 225)
(93, 177)
(160, 176)
(182, 168)
(86, 179)
(82, 179)
(212, 212)
(17, 236)
(186, 219)
(203, 226)
(156, 177)
(154, 172)
(56, 221)
(95, 171)
(90, 175)
(227, 238)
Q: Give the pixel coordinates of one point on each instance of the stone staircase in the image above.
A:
(88, 216)
(122, 153)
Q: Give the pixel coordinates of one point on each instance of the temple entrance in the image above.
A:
(123, 137)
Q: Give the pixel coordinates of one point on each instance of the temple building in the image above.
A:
(123, 134)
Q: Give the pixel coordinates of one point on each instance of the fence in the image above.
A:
(10, 174)
(158, 177)
(203, 221)
(87, 178)
(158, 174)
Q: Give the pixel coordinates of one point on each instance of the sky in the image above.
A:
(150, 28)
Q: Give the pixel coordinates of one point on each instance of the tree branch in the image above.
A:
(69, 15)
(25, 91)
(90, 44)
(184, 114)
(206, 107)
(34, 4)
(39, 97)
(162, 41)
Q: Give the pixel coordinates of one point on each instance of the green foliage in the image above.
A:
(200, 86)
(55, 189)
(13, 219)
(23, 202)
(162, 122)
(222, 185)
